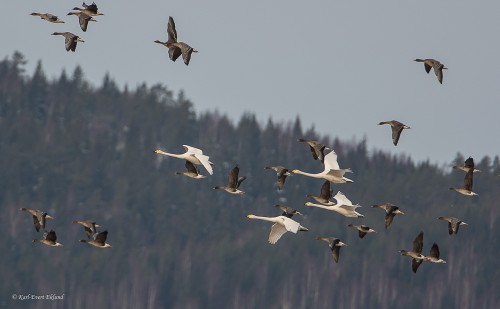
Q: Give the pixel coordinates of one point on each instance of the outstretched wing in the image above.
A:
(469, 163)
(101, 237)
(342, 199)
(291, 225)
(330, 161)
(171, 32)
(51, 236)
(418, 243)
(277, 230)
(468, 179)
(205, 162)
(190, 167)
(415, 264)
(326, 192)
(396, 133)
(434, 251)
(192, 149)
(174, 52)
(232, 180)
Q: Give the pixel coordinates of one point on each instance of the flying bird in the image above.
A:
(334, 244)
(396, 127)
(83, 19)
(193, 155)
(175, 48)
(416, 253)
(468, 164)
(38, 217)
(453, 224)
(288, 211)
(433, 64)
(390, 212)
(332, 171)
(467, 188)
(89, 9)
(99, 240)
(90, 227)
(49, 17)
(281, 225)
(434, 255)
(233, 182)
(362, 229)
(325, 195)
(70, 40)
(343, 206)
(191, 172)
(49, 239)
(281, 172)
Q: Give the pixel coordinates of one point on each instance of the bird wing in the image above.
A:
(51, 236)
(330, 161)
(335, 250)
(415, 264)
(388, 219)
(89, 232)
(427, 67)
(434, 251)
(186, 53)
(101, 237)
(174, 52)
(469, 163)
(450, 228)
(91, 8)
(171, 32)
(326, 192)
(342, 199)
(439, 73)
(468, 179)
(190, 167)
(84, 21)
(37, 223)
(232, 180)
(291, 225)
(240, 180)
(396, 133)
(418, 243)
(277, 230)
(192, 149)
(281, 178)
(205, 162)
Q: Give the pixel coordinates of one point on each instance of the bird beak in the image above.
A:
(156, 151)
(249, 216)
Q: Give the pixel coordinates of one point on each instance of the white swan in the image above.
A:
(281, 225)
(332, 170)
(193, 155)
(344, 206)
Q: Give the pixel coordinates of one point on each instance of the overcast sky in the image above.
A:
(342, 66)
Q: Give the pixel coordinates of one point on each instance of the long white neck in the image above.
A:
(318, 205)
(270, 219)
(169, 154)
(306, 174)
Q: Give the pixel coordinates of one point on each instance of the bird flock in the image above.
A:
(332, 173)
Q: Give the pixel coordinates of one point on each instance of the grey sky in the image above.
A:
(343, 66)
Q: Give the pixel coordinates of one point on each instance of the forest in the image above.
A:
(85, 152)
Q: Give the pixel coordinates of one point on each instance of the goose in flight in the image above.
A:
(396, 127)
(467, 188)
(433, 64)
(233, 182)
(287, 211)
(281, 225)
(89, 9)
(38, 217)
(332, 170)
(468, 164)
(453, 224)
(193, 155)
(334, 244)
(49, 239)
(344, 206)
(90, 227)
(99, 240)
(390, 212)
(49, 17)
(175, 49)
(434, 255)
(416, 253)
(281, 172)
(317, 149)
(362, 229)
(70, 40)
(83, 19)
(191, 172)
(325, 195)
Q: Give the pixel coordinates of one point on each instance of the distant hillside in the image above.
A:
(82, 152)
